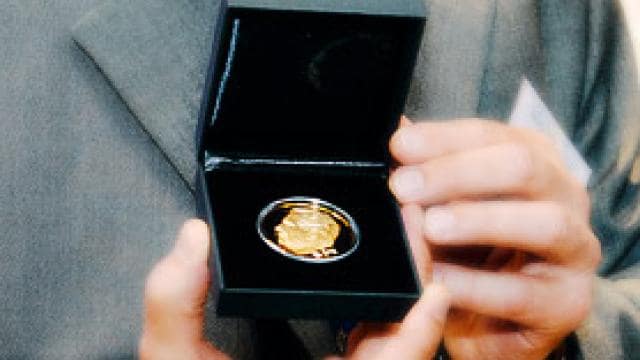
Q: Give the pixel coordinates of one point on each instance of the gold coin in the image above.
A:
(308, 231)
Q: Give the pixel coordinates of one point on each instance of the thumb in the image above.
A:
(421, 331)
(175, 297)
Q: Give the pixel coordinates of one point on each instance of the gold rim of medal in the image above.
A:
(310, 229)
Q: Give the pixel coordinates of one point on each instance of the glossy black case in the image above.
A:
(300, 100)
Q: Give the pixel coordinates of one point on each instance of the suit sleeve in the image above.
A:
(611, 143)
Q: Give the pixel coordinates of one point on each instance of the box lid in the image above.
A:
(309, 80)
(407, 8)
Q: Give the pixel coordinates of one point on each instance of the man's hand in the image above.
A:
(174, 299)
(417, 337)
(176, 292)
(508, 229)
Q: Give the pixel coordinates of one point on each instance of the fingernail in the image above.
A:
(439, 223)
(408, 183)
(409, 141)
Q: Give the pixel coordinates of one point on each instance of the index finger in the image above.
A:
(419, 142)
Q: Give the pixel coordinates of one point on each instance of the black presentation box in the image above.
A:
(300, 99)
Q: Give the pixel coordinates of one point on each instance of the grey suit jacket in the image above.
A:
(474, 55)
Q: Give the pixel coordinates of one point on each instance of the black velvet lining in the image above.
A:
(303, 85)
(381, 264)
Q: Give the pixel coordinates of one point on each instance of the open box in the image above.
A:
(300, 100)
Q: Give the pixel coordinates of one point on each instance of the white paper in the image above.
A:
(530, 112)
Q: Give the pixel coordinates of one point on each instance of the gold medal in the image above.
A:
(308, 229)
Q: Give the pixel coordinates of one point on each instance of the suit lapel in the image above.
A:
(515, 51)
(448, 78)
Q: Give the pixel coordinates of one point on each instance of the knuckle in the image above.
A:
(560, 223)
(586, 247)
(539, 139)
(595, 251)
(522, 162)
(542, 140)
(569, 234)
(579, 301)
(583, 202)
(597, 259)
